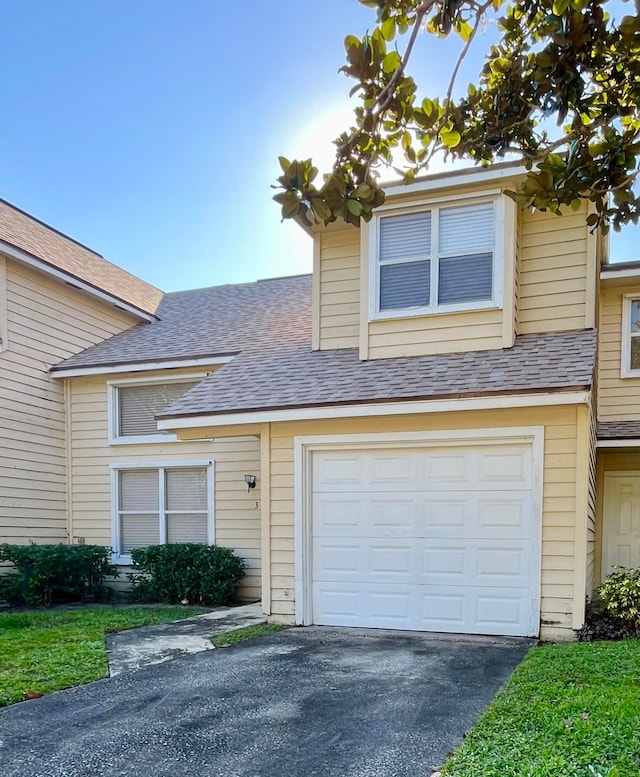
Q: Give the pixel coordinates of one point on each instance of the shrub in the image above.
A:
(185, 573)
(43, 575)
(620, 595)
(614, 612)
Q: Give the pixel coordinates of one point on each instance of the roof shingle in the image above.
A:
(292, 375)
(619, 430)
(26, 233)
(216, 321)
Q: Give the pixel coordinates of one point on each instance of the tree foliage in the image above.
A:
(560, 89)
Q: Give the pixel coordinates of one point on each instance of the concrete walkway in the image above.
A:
(131, 649)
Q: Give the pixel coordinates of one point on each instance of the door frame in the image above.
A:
(606, 494)
(305, 446)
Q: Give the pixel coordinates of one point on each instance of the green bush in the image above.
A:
(43, 575)
(614, 610)
(186, 573)
(620, 595)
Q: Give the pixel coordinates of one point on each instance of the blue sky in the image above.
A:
(150, 130)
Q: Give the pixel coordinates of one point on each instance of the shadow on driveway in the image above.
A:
(300, 703)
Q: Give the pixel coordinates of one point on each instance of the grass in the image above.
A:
(247, 632)
(568, 711)
(47, 650)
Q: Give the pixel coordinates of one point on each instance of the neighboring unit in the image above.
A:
(444, 421)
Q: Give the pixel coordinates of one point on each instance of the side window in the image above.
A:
(163, 504)
(631, 336)
(134, 407)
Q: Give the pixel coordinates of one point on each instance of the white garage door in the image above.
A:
(433, 539)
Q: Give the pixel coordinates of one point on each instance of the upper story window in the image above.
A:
(441, 258)
(631, 335)
(135, 405)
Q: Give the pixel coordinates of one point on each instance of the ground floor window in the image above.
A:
(156, 504)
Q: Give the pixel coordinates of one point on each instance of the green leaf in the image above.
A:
(560, 6)
(451, 138)
(388, 28)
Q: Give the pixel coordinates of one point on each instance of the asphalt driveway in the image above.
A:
(303, 702)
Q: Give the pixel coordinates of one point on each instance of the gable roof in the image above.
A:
(214, 322)
(53, 250)
(294, 376)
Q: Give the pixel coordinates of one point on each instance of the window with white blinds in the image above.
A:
(441, 257)
(162, 504)
(137, 406)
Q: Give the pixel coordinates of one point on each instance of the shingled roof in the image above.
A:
(22, 231)
(619, 430)
(294, 376)
(218, 321)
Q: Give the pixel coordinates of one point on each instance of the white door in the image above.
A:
(430, 539)
(621, 521)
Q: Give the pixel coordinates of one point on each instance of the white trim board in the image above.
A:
(500, 402)
(305, 446)
(169, 364)
(629, 443)
(21, 256)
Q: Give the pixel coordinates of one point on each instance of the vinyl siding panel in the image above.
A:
(618, 398)
(552, 272)
(46, 321)
(439, 333)
(339, 288)
(560, 498)
(237, 512)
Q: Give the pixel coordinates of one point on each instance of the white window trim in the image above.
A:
(625, 356)
(4, 335)
(161, 466)
(162, 437)
(499, 249)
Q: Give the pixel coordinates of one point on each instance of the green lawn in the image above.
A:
(46, 650)
(246, 632)
(568, 711)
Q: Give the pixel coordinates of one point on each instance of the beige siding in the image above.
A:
(237, 512)
(46, 321)
(479, 330)
(618, 398)
(560, 500)
(553, 279)
(339, 288)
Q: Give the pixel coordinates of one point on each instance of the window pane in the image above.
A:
(465, 278)
(635, 315)
(186, 488)
(186, 528)
(138, 405)
(405, 285)
(138, 531)
(467, 229)
(635, 353)
(138, 490)
(405, 237)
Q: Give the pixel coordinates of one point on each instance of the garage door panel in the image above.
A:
(433, 608)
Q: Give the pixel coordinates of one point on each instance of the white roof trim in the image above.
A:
(377, 409)
(456, 178)
(39, 264)
(169, 364)
(619, 443)
(610, 271)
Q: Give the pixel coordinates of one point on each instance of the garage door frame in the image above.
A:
(304, 448)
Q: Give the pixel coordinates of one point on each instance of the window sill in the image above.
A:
(386, 315)
(626, 373)
(151, 439)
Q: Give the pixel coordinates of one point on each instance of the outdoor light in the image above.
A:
(250, 480)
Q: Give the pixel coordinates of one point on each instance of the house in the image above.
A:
(444, 421)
